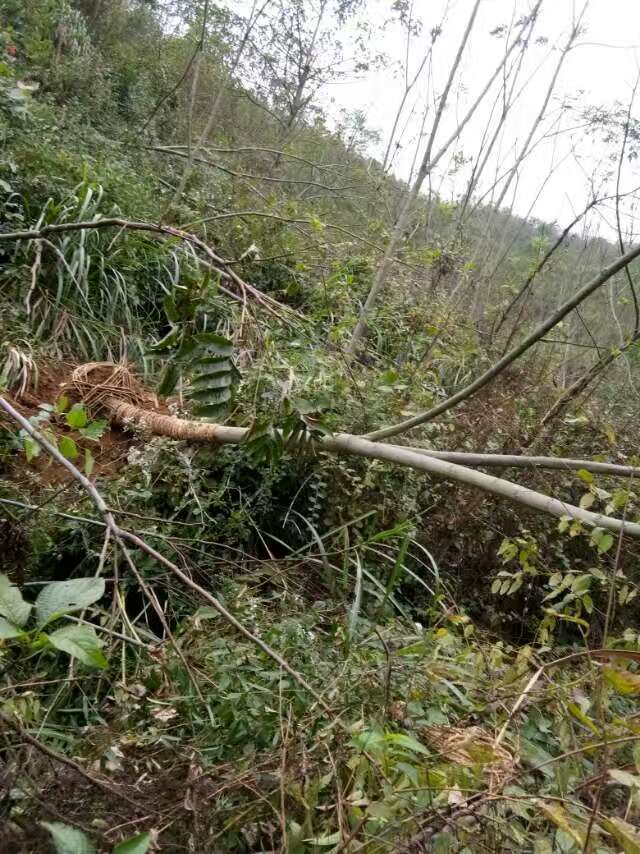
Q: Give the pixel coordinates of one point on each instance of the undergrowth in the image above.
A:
(445, 632)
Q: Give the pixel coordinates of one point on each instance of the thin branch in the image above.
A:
(198, 49)
(104, 785)
(248, 175)
(491, 373)
(218, 263)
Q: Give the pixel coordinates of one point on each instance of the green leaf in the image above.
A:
(81, 642)
(62, 404)
(216, 344)
(169, 379)
(138, 844)
(9, 630)
(65, 597)
(581, 584)
(69, 840)
(585, 475)
(31, 448)
(12, 605)
(68, 448)
(89, 462)
(77, 416)
(401, 740)
(169, 341)
(605, 543)
(601, 539)
(171, 309)
(94, 430)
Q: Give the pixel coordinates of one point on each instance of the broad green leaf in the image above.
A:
(12, 605)
(9, 630)
(605, 543)
(69, 840)
(401, 740)
(68, 448)
(171, 309)
(138, 844)
(81, 642)
(215, 344)
(601, 539)
(581, 584)
(62, 404)
(94, 430)
(585, 475)
(169, 379)
(77, 416)
(622, 681)
(65, 597)
(625, 834)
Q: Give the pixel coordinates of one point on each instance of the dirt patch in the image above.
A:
(493, 420)
(50, 384)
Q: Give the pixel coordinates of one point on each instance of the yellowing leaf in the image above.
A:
(624, 778)
(559, 817)
(625, 834)
(622, 681)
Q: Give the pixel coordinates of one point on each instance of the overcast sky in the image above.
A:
(600, 70)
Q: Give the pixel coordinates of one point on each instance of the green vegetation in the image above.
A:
(269, 635)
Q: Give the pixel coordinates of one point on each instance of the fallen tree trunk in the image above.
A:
(528, 462)
(125, 414)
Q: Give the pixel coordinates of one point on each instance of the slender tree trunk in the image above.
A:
(217, 101)
(429, 161)
(543, 109)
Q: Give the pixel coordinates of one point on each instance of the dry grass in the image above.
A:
(95, 382)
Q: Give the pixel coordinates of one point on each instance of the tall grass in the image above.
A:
(90, 293)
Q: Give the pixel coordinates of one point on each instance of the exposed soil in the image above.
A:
(110, 452)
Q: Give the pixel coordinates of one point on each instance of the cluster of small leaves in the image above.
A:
(74, 417)
(298, 427)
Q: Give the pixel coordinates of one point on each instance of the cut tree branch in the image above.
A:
(123, 413)
(218, 264)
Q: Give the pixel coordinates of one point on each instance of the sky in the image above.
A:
(559, 177)
(600, 71)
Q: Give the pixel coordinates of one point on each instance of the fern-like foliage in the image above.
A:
(299, 424)
(205, 359)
